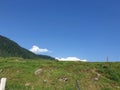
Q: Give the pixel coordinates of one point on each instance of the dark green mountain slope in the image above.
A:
(9, 48)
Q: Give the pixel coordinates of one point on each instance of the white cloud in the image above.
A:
(71, 59)
(37, 50)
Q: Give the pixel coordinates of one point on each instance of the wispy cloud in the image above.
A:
(37, 50)
(71, 59)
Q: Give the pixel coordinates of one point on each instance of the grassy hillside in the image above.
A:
(9, 48)
(54, 75)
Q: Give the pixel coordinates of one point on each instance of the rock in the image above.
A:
(98, 75)
(37, 72)
(45, 81)
(60, 79)
(63, 79)
(96, 79)
(27, 84)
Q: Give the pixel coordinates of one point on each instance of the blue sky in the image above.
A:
(86, 29)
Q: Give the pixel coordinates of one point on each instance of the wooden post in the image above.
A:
(77, 84)
(3, 83)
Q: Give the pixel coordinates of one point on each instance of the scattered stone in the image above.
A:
(98, 75)
(63, 79)
(37, 72)
(60, 79)
(27, 84)
(44, 81)
(96, 79)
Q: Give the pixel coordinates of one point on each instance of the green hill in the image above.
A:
(55, 75)
(9, 48)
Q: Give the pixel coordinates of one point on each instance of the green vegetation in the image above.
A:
(26, 71)
(9, 48)
(55, 75)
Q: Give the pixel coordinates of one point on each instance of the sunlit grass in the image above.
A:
(20, 75)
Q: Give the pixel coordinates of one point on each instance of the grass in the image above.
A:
(20, 75)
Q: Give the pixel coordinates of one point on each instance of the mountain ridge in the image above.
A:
(9, 48)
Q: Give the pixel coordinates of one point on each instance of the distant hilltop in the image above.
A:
(9, 48)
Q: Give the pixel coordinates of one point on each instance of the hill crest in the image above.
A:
(9, 48)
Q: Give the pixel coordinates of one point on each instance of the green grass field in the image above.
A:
(55, 75)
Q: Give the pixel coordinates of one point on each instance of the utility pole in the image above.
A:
(107, 59)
